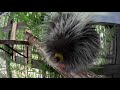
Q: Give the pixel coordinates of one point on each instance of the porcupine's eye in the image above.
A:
(59, 57)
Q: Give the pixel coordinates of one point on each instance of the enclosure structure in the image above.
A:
(111, 19)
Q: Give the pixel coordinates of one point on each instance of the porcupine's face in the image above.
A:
(77, 48)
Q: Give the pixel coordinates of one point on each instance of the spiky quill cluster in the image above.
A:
(70, 35)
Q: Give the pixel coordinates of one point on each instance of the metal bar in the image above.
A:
(16, 51)
(27, 52)
(6, 51)
(14, 42)
(117, 52)
(109, 69)
(103, 23)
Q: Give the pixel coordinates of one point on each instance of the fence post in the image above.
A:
(13, 37)
(117, 51)
(27, 51)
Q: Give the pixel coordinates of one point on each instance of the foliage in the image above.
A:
(36, 22)
(107, 35)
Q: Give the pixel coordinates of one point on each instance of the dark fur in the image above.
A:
(74, 39)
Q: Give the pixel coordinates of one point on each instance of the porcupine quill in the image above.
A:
(70, 35)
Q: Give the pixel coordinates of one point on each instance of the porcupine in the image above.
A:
(72, 41)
